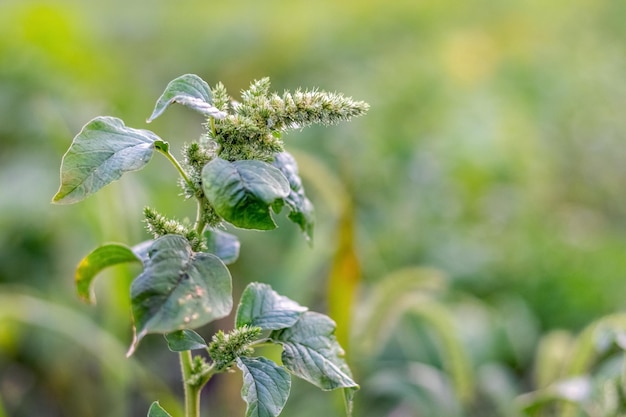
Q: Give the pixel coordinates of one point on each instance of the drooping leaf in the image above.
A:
(99, 259)
(223, 245)
(311, 352)
(263, 307)
(178, 289)
(242, 192)
(190, 91)
(157, 411)
(183, 340)
(265, 388)
(302, 212)
(103, 150)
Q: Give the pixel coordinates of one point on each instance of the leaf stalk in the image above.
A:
(177, 165)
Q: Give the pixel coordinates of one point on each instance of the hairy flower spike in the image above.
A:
(221, 99)
(258, 88)
(159, 225)
(197, 156)
(251, 131)
(304, 108)
(199, 368)
(209, 216)
(242, 137)
(225, 348)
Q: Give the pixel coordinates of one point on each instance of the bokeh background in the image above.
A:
(471, 229)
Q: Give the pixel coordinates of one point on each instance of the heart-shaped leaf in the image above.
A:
(99, 259)
(183, 340)
(178, 289)
(102, 152)
(263, 307)
(190, 91)
(311, 352)
(242, 192)
(302, 212)
(223, 245)
(265, 388)
(157, 411)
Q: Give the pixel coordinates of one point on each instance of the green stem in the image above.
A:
(192, 391)
(176, 164)
(200, 221)
(262, 342)
(213, 127)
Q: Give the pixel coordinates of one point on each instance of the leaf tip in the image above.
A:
(157, 411)
(60, 198)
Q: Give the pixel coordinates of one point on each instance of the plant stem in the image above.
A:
(200, 221)
(180, 169)
(213, 127)
(192, 392)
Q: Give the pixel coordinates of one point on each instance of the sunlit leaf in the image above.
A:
(311, 352)
(99, 259)
(302, 212)
(263, 307)
(157, 411)
(102, 152)
(190, 91)
(183, 340)
(242, 192)
(178, 289)
(265, 387)
(224, 245)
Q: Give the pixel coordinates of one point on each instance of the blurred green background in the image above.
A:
(468, 228)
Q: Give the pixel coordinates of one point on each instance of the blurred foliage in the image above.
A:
(482, 194)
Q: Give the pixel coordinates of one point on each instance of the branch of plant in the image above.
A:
(192, 391)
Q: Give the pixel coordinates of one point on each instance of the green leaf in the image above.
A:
(190, 91)
(99, 259)
(224, 245)
(178, 289)
(302, 212)
(311, 352)
(183, 340)
(103, 150)
(157, 411)
(242, 192)
(263, 307)
(265, 388)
